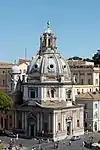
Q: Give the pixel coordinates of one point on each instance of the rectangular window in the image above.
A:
(78, 123)
(3, 82)
(96, 81)
(33, 92)
(95, 106)
(82, 81)
(89, 81)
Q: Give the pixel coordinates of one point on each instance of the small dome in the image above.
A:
(15, 69)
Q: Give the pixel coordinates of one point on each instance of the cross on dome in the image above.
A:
(48, 24)
(48, 28)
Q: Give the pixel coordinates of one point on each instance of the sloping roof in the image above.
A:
(88, 96)
(56, 105)
(21, 61)
(5, 65)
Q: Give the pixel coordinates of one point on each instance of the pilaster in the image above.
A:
(41, 121)
(23, 120)
(49, 120)
(15, 120)
(37, 122)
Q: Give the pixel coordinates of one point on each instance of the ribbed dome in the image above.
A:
(48, 61)
(50, 64)
(15, 69)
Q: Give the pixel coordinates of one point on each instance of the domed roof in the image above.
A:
(49, 62)
(15, 69)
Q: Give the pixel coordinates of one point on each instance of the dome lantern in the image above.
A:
(48, 40)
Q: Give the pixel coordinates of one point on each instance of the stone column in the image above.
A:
(85, 78)
(62, 121)
(71, 128)
(8, 121)
(15, 119)
(37, 122)
(23, 120)
(3, 122)
(54, 123)
(59, 94)
(41, 122)
(49, 122)
(78, 77)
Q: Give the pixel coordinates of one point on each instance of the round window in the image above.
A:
(51, 66)
(35, 66)
(64, 66)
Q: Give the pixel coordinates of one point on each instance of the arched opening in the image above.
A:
(59, 126)
(49, 42)
(52, 93)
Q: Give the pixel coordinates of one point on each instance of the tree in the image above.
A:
(75, 58)
(96, 57)
(88, 59)
(5, 101)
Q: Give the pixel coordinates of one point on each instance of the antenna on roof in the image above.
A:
(25, 53)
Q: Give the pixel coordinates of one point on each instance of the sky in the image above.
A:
(75, 22)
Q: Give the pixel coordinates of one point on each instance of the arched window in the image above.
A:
(59, 126)
(49, 42)
(52, 93)
(24, 71)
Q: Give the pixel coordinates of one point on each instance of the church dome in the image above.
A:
(49, 62)
(15, 69)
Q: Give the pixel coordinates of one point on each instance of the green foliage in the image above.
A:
(88, 59)
(96, 57)
(75, 58)
(5, 101)
(1, 146)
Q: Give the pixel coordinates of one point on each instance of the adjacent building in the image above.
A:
(47, 99)
(91, 101)
(5, 72)
(86, 76)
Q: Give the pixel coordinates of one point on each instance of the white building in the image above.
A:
(91, 103)
(48, 107)
(19, 73)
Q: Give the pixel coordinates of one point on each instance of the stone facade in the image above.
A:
(86, 76)
(48, 107)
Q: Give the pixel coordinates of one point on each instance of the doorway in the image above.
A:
(68, 128)
(32, 129)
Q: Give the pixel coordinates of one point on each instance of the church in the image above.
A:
(45, 102)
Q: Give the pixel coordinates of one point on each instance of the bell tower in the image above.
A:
(48, 40)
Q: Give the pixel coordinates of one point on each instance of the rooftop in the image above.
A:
(21, 61)
(5, 65)
(56, 105)
(88, 96)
